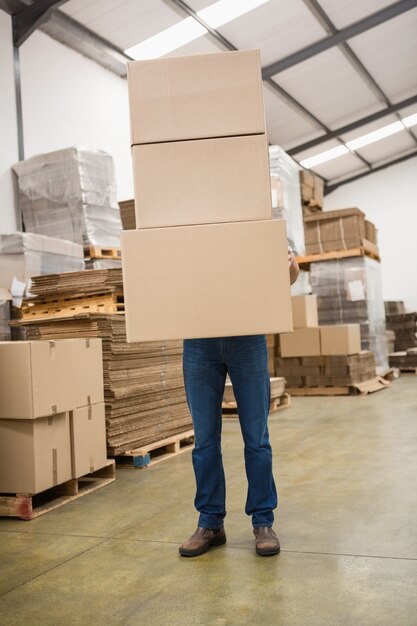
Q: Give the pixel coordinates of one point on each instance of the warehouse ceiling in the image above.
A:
(333, 70)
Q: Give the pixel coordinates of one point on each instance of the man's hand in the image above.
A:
(293, 266)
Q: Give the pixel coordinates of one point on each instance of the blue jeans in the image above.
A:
(206, 363)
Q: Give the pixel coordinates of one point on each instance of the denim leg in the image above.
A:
(204, 378)
(248, 370)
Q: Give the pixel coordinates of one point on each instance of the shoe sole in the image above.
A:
(216, 541)
(271, 552)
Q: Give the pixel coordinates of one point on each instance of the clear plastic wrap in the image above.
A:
(287, 199)
(349, 291)
(23, 255)
(102, 264)
(70, 194)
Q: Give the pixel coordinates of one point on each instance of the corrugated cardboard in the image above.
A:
(88, 439)
(214, 280)
(39, 378)
(302, 342)
(34, 454)
(204, 181)
(344, 339)
(190, 97)
(334, 230)
(304, 311)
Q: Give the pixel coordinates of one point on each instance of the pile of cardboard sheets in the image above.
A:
(312, 192)
(342, 229)
(405, 327)
(70, 194)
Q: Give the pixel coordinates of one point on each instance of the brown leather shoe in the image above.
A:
(266, 541)
(201, 540)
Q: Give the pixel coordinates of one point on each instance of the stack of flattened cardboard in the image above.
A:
(127, 213)
(272, 342)
(394, 307)
(52, 424)
(404, 360)
(5, 298)
(405, 327)
(143, 385)
(322, 356)
(70, 194)
(277, 390)
(198, 123)
(312, 191)
(342, 229)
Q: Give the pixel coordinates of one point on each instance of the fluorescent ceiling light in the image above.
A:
(409, 121)
(190, 29)
(375, 135)
(360, 142)
(168, 40)
(328, 155)
(225, 11)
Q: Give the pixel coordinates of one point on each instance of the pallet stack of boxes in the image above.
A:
(312, 192)
(52, 424)
(322, 356)
(206, 250)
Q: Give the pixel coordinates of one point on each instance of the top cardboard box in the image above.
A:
(41, 378)
(196, 97)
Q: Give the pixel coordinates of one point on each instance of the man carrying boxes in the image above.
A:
(205, 258)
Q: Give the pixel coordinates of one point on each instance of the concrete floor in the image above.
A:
(346, 471)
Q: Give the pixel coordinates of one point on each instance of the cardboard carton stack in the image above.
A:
(205, 232)
(70, 194)
(143, 385)
(322, 356)
(52, 425)
(272, 342)
(394, 307)
(405, 327)
(312, 192)
(5, 334)
(349, 291)
(342, 229)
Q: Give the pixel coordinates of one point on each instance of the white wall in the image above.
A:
(8, 128)
(389, 199)
(68, 100)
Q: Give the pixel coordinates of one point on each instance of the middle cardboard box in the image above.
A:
(202, 181)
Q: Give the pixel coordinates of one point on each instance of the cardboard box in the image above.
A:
(204, 181)
(307, 178)
(327, 231)
(34, 454)
(214, 280)
(39, 378)
(302, 342)
(304, 311)
(344, 339)
(88, 439)
(192, 97)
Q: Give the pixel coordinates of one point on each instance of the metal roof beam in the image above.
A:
(361, 26)
(377, 168)
(353, 125)
(28, 19)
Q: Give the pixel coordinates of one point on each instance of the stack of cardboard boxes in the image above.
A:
(52, 424)
(207, 259)
(341, 229)
(322, 356)
(312, 192)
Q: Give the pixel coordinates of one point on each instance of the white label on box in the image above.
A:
(356, 290)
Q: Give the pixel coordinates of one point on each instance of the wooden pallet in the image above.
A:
(229, 409)
(407, 370)
(156, 452)
(370, 386)
(367, 248)
(27, 506)
(97, 252)
(72, 305)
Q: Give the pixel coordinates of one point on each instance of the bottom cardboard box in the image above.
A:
(34, 454)
(88, 439)
(212, 280)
